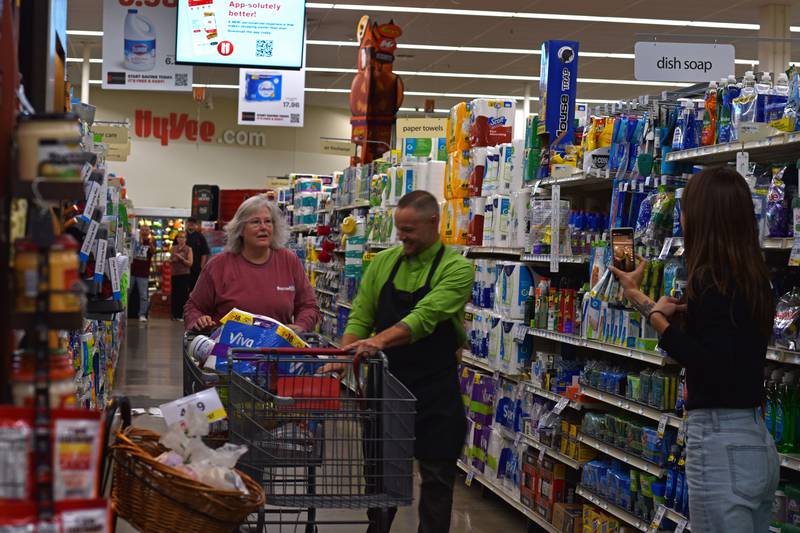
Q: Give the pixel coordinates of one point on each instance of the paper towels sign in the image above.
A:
(421, 128)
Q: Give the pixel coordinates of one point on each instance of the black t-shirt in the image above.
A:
(199, 247)
(723, 352)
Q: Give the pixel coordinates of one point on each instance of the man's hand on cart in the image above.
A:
(203, 323)
(360, 348)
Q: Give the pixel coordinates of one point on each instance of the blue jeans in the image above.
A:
(144, 296)
(732, 470)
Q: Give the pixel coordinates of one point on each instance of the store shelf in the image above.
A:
(790, 461)
(329, 313)
(509, 499)
(629, 405)
(774, 243)
(329, 341)
(544, 393)
(592, 180)
(625, 457)
(676, 517)
(381, 245)
(356, 205)
(49, 189)
(303, 228)
(563, 259)
(468, 358)
(640, 355)
(344, 304)
(783, 355)
(494, 250)
(775, 149)
(620, 513)
(61, 321)
(326, 291)
(558, 456)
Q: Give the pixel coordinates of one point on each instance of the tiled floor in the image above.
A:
(150, 373)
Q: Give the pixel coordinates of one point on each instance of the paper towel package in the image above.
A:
(455, 221)
(408, 181)
(520, 218)
(491, 175)
(477, 207)
(496, 445)
(514, 283)
(458, 127)
(488, 223)
(477, 170)
(504, 174)
(515, 357)
(436, 179)
(460, 176)
(489, 281)
(501, 207)
(495, 326)
(491, 121)
(518, 165)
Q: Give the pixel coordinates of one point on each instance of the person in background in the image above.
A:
(732, 466)
(255, 273)
(200, 251)
(181, 256)
(144, 247)
(413, 297)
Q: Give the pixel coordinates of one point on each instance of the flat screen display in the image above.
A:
(263, 34)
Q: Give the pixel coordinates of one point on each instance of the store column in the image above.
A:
(774, 50)
(86, 72)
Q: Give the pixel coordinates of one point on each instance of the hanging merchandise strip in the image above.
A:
(555, 227)
(43, 455)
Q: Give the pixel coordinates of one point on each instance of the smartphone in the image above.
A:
(622, 248)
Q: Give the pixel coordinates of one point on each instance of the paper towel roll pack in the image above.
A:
(514, 283)
(459, 181)
(455, 221)
(491, 176)
(501, 208)
(477, 170)
(491, 121)
(458, 128)
(477, 207)
(488, 223)
(520, 218)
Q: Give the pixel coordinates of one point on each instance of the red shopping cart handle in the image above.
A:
(290, 351)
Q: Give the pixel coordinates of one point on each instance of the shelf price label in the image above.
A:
(662, 425)
(542, 451)
(561, 405)
(682, 523)
(681, 438)
(470, 477)
(666, 248)
(517, 440)
(519, 333)
(657, 518)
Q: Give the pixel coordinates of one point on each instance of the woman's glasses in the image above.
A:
(256, 222)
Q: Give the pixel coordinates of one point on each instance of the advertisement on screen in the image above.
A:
(271, 97)
(266, 34)
(139, 47)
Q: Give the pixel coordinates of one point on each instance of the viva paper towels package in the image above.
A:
(458, 128)
(406, 174)
(477, 170)
(460, 177)
(448, 176)
(514, 283)
(514, 357)
(501, 208)
(477, 207)
(491, 122)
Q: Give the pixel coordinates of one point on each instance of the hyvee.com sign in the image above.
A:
(178, 126)
(690, 62)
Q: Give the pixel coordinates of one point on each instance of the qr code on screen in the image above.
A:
(264, 48)
(181, 80)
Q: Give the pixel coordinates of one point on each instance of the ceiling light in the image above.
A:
(543, 16)
(85, 33)
(80, 60)
(421, 110)
(214, 86)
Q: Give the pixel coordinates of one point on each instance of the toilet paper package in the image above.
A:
(448, 176)
(307, 185)
(491, 121)
(495, 447)
(477, 208)
(514, 357)
(477, 170)
(494, 325)
(514, 282)
(517, 165)
(501, 207)
(460, 174)
(505, 161)
(482, 399)
(488, 223)
(458, 128)
(487, 286)
(520, 218)
(491, 175)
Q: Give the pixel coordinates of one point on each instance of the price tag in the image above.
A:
(662, 425)
(86, 171)
(743, 163)
(100, 260)
(470, 477)
(207, 401)
(92, 200)
(536, 187)
(657, 518)
(682, 523)
(520, 332)
(517, 440)
(88, 241)
(666, 248)
(542, 451)
(681, 438)
(114, 275)
(561, 405)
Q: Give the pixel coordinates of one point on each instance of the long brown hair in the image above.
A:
(722, 245)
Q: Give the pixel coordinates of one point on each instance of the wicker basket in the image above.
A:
(155, 497)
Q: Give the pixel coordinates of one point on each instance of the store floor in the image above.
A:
(150, 374)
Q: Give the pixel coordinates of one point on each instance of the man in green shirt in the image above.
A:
(413, 297)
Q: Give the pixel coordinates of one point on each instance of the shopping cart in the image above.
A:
(314, 444)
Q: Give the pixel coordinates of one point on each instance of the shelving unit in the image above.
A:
(509, 499)
(303, 228)
(494, 250)
(356, 205)
(778, 148)
(652, 358)
(325, 291)
(345, 305)
(630, 406)
(620, 513)
(329, 313)
(790, 461)
(569, 461)
(592, 180)
(550, 395)
(625, 457)
(782, 355)
(468, 358)
(563, 259)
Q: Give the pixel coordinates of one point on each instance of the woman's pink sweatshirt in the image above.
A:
(278, 289)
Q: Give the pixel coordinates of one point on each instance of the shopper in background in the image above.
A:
(181, 256)
(255, 273)
(200, 251)
(732, 465)
(144, 247)
(413, 297)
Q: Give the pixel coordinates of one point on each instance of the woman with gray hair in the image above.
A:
(255, 273)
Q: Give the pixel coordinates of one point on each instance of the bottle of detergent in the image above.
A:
(776, 101)
(744, 105)
(726, 111)
(709, 134)
(140, 42)
(763, 92)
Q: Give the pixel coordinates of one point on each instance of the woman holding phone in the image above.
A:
(732, 466)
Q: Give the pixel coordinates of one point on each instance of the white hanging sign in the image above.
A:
(689, 62)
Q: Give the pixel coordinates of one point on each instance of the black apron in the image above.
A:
(428, 368)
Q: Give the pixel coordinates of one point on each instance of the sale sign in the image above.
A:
(271, 97)
(139, 46)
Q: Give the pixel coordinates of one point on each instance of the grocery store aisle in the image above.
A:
(150, 373)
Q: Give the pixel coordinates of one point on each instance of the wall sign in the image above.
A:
(271, 97)
(421, 128)
(690, 62)
(139, 47)
(327, 146)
